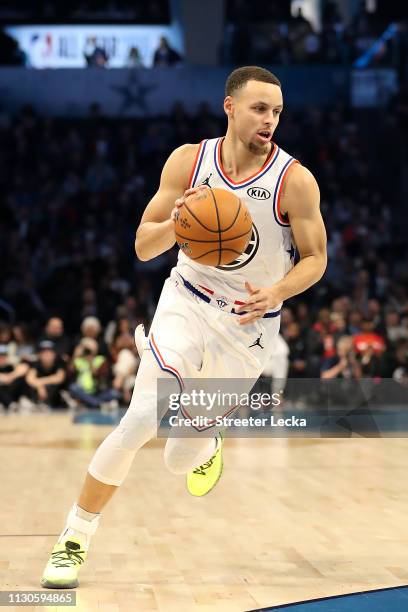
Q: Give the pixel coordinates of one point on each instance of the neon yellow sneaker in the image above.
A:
(61, 571)
(202, 479)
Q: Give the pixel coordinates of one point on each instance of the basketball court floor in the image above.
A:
(290, 520)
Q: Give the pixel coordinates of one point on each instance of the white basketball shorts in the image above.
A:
(191, 339)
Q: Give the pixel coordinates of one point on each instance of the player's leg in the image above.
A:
(178, 346)
(231, 354)
(107, 470)
(201, 459)
(113, 458)
(183, 453)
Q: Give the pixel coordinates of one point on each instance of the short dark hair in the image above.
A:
(239, 77)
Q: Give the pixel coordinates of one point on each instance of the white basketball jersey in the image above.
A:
(270, 252)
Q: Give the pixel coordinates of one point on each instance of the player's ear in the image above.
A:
(229, 106)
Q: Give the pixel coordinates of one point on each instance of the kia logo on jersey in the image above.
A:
(258, 193)
(247, 255)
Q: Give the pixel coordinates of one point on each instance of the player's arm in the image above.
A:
(156, 234)
(301, 202)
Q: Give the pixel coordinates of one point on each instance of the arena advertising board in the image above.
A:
(61, 46)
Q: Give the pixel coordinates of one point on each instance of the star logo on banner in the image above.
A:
(134, 94)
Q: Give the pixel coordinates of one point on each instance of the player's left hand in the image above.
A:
(261, 299)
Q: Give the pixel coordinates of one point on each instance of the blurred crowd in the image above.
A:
(83, 11)
(265, 33)
(255, 32)
(91, 370)
(96, 55)
(72, 290)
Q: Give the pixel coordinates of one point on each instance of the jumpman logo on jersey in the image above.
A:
(257, 343)
(206, 181)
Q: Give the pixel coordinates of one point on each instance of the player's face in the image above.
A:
(254, 112)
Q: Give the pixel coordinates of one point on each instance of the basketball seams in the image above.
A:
(235, 218)
(198, 220)
(219, 227)
(215, 231)
(215, 239)
(214, 251)
(228, 209)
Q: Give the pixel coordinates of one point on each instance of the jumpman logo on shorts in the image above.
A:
(257, 343)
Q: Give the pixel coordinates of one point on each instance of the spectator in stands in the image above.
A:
(95, 55)
(368, 337)
(297, 351)
(354, 322)
(11, 379)
(165, 55)
(397, 363)
(134, 59)
(7, 340)
(370, 362)
(344, 363)
(92, 385)
(300, 35)
(24, 345)
(303, 317)
(338, 325)
(393, 328)
(91, 328)
(54, 331)
(46, 376)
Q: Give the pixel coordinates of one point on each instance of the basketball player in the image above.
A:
(220, 321)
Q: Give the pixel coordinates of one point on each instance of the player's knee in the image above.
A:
(138, 425)
(133, 438)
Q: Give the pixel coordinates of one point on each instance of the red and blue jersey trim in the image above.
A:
(210, 422)
(163, 365)
(197, 163)
(251, 179)
(206, 298)
(279, 218)
(174, 372)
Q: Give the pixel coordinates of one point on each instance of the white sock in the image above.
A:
(84, 514)
(81, 525)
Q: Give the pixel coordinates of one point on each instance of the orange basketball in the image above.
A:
(213, 227)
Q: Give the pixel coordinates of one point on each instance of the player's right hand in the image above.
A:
(181, 201)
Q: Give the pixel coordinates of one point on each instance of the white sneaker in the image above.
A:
(42, 408)
(26, 406)
(61, 571)
(72, 403)
(111, 407)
